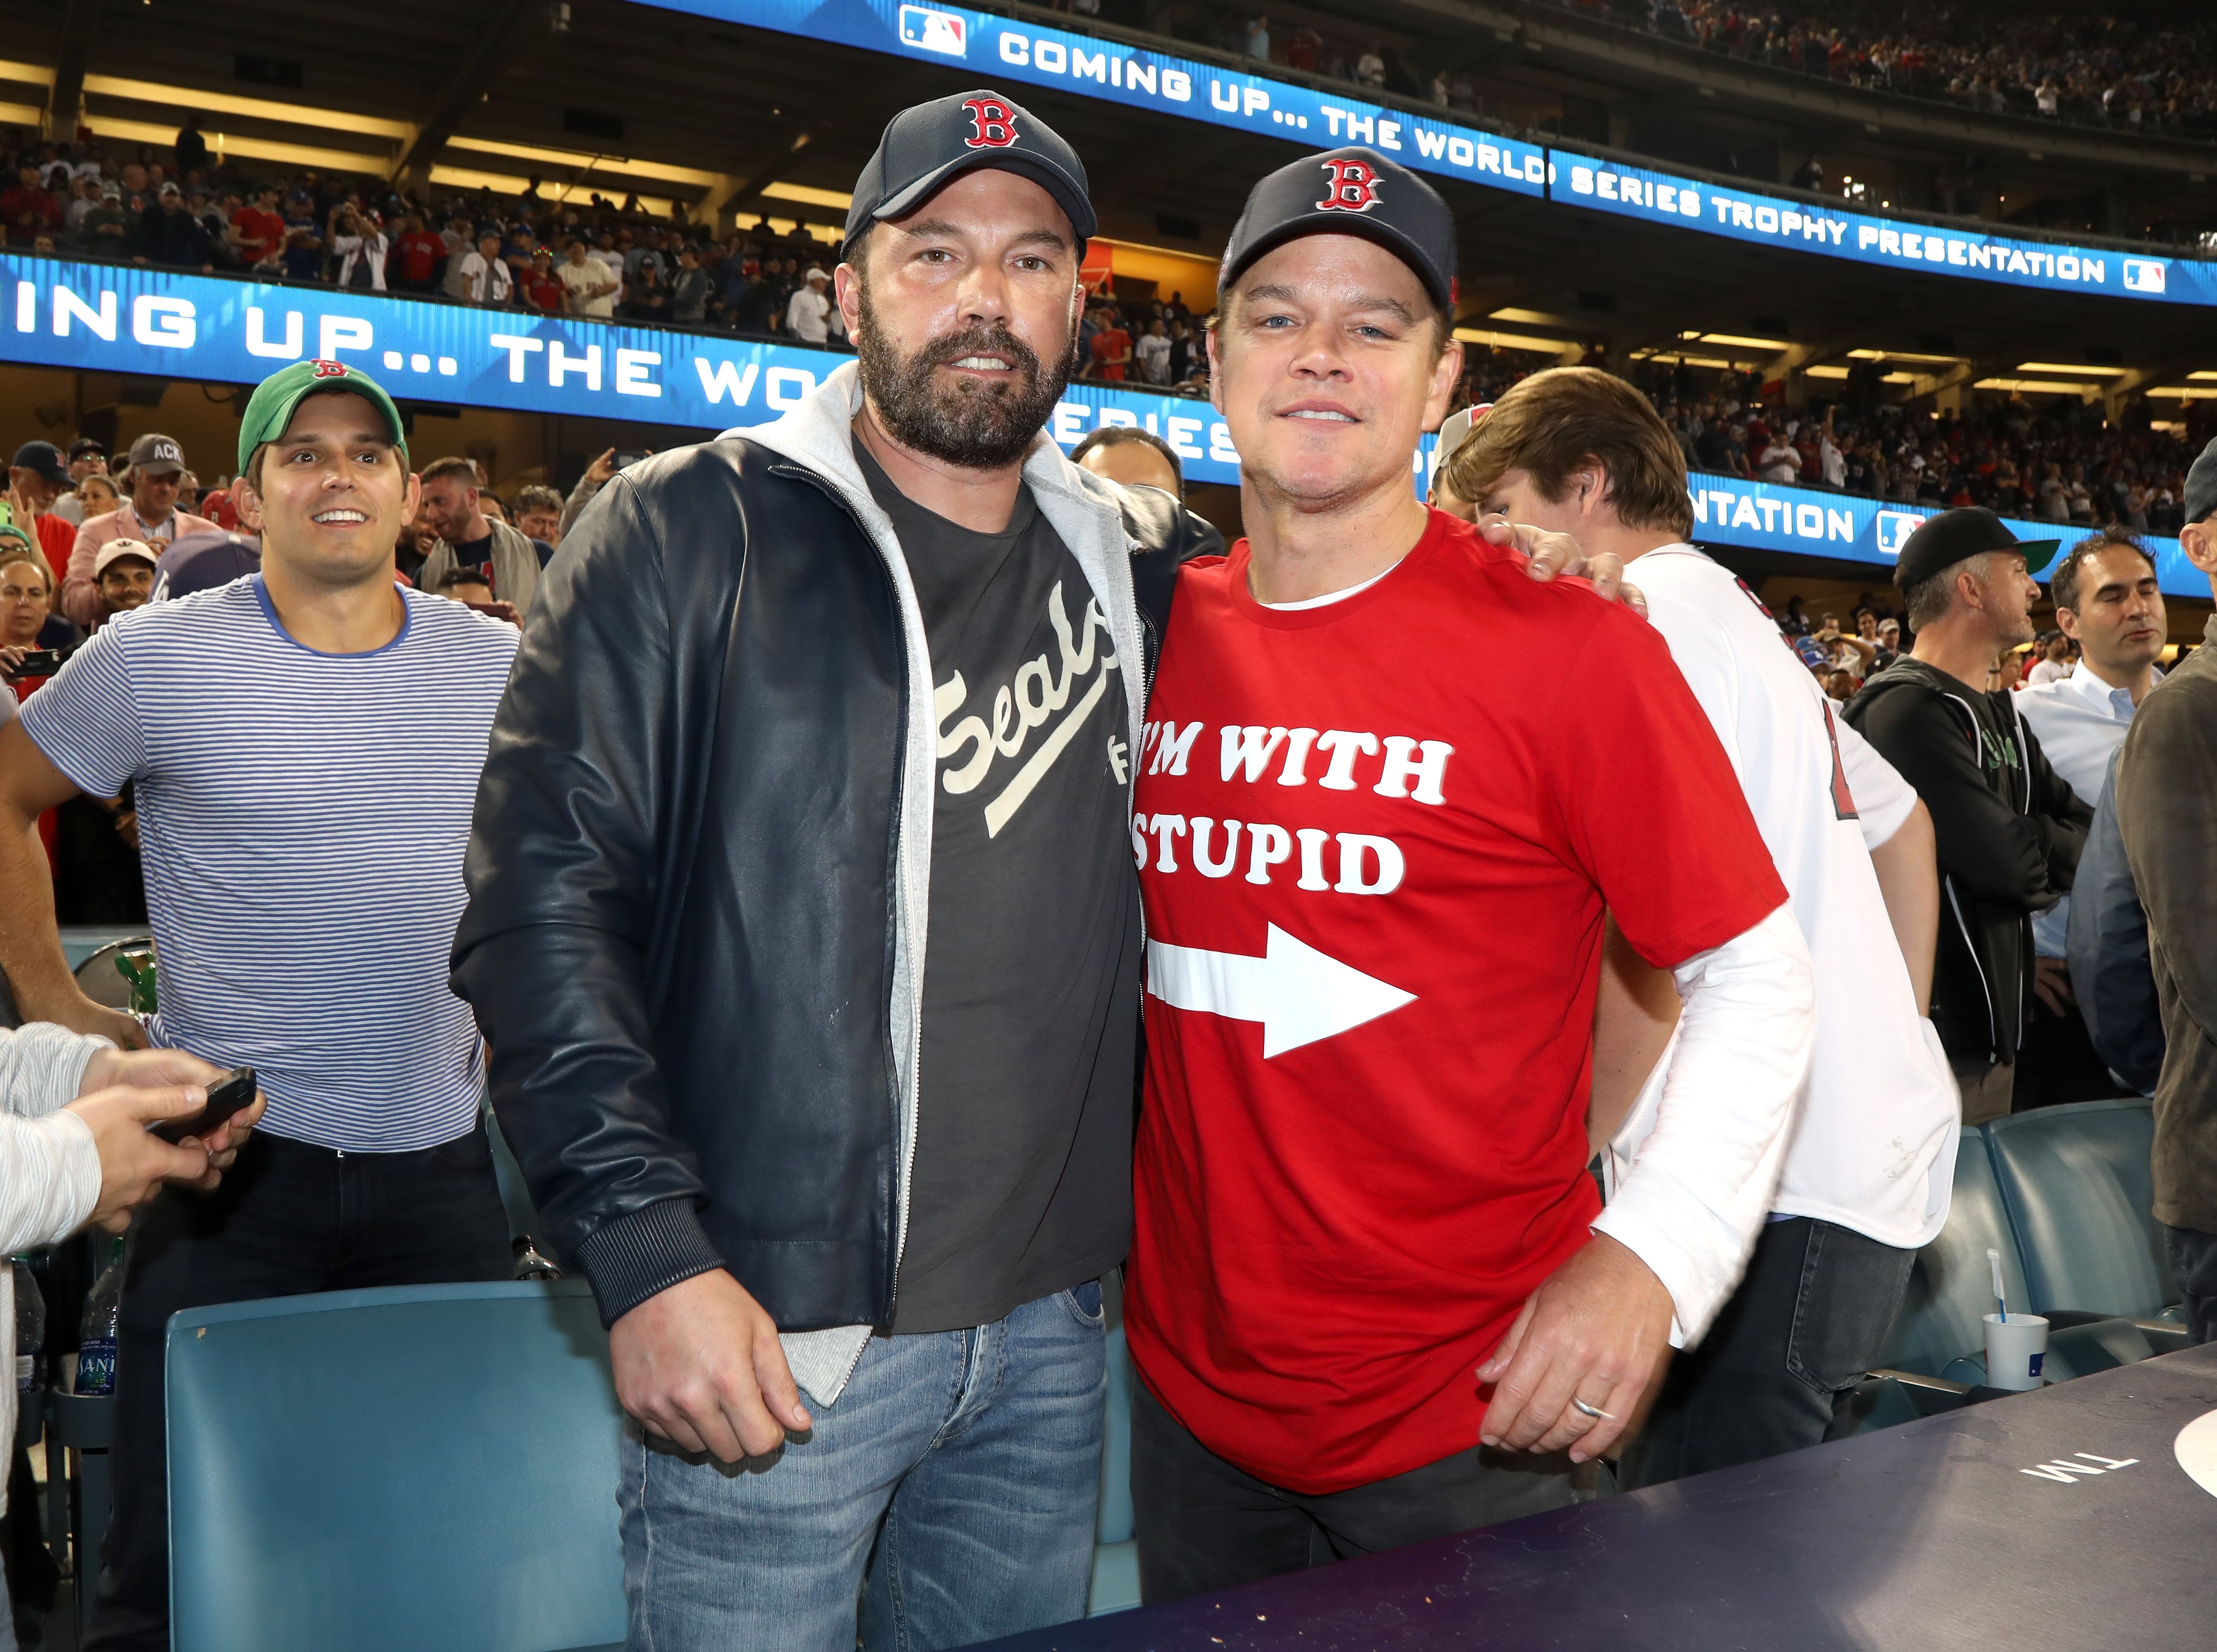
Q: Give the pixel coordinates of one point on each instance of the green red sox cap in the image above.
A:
(269, 411)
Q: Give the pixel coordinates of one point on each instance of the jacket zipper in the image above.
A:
(1985, 987)
(916, 1017)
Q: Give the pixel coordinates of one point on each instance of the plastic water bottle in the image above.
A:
(30, 1333)
(95, 1345)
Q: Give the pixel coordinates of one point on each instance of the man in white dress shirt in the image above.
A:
(2106, 601)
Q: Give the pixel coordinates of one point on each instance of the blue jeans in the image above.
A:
(951, 1490)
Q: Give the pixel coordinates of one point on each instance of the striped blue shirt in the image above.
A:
(301, 821)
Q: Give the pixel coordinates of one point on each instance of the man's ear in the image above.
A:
(2067, 623)
(1446, 373)
(2199, 541)
(248, 502)
(847, 293)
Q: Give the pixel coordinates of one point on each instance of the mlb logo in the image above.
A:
(2143, 275)
(1894, 528)
(934, 31)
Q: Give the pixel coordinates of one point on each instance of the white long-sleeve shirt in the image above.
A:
(1873, 1146)
(1718, 1118)
(49, 1167)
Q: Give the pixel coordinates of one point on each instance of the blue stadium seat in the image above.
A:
(1115, 1555)
(1951, 1288)
(427, 1467)
(2076, 1183)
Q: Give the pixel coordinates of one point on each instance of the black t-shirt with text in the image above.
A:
(1022, 1178)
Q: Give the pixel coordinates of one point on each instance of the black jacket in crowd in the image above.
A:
(689, 940)
(2009, 831)
(173, 239)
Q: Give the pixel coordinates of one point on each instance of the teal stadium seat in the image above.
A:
(2076, 1183)
(429, 1467)
(433, 1467)
(1951, 1288)
(1115, 1555)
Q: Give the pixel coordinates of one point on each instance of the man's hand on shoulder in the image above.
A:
(1597, 1330)
(699, 1364)
(1548, 556)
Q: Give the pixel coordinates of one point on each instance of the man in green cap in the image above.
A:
(302, 822)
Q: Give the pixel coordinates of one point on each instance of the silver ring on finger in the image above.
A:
(1593, 1411)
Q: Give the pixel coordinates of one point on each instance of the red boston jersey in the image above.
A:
(1376, 839)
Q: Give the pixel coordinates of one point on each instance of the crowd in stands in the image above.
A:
(2062, 462)
(2115, 72)
(2101, 71)
(604, 259)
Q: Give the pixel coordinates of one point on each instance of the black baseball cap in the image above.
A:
(85, 445)
(2200, 496)
(1970, 530)
(43, 457)
(1350, 192)
(929, 145)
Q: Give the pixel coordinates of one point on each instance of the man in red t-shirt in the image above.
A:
(419, 254)
(1389, 784)
(261, 227)
(1112, 348)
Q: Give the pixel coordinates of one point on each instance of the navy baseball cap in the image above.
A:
(202, 561)
(927, 146)
(43, 457)
(1350, 192)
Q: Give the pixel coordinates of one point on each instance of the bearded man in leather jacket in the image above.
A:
(805, 935)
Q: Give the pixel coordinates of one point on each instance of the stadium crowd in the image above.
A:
(2054, 460)
(2153, 75)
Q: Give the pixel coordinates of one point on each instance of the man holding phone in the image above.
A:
(300, 932)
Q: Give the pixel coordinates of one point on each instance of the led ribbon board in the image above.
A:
(125, 318)
(994, 51)
(157, 323)
(1002, 52)
(1847, 527)
(1887, 244)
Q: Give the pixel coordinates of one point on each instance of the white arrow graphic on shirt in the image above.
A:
(1297, 992)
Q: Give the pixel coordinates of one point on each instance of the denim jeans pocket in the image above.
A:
(1851, 1288)
(1084, 1301)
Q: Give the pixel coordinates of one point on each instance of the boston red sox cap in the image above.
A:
(1350, 192)
(929, 145)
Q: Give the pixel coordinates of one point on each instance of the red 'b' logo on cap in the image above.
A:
(993, 122)
(1352, 187)
(328, 370)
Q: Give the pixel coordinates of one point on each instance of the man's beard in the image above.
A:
(977, 425)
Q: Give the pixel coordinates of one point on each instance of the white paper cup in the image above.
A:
(2015, 1347)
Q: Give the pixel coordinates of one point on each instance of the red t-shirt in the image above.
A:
(1112, 340)
(421, 253)
(57, 538)
(1444, 779)
(258, 232)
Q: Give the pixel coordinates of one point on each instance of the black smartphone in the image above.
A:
(38, 662)
(232, 1093)
(625, 459)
